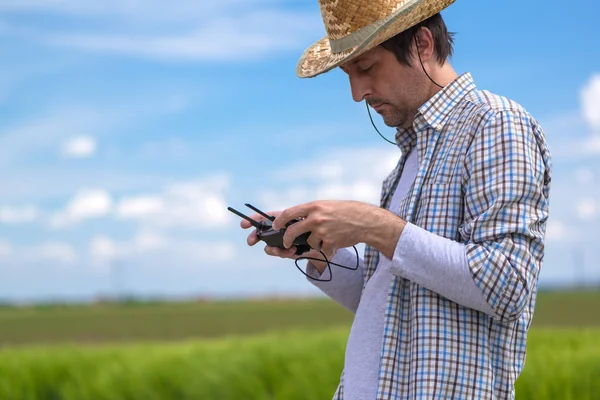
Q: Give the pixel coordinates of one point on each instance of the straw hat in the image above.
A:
(356, 26)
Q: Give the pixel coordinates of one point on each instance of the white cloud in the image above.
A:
(132, 10)
(590, 99)
(170, 148)
(208, 253)
(584, 176)
(350, 163)
(54, 252)
(79, 147)
(48, 130)
(193, 30)
(587, 147)
(49, 251)
(41, 135)
(161, 249)
(60, 180)
(587, 208)
(147, 241)
(87, 203)
(246, 36)
(18, 215)
(103, 248)
(140, 207)
(194, 204)
(556, 231)
(350, 174)
(5, 249)
(61, 127)
(368, 192)
(581, 128)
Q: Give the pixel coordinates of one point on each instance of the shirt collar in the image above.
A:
(406, 139)
(435, 112)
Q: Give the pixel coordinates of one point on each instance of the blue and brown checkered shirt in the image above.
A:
(483, 180)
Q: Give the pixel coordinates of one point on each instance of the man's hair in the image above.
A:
(443, 40)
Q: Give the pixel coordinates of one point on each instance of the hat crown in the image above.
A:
(343, 17)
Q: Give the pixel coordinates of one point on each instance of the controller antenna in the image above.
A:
(254, 223)
(269, 217)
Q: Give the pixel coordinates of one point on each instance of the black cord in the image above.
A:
(421, 61)
(369, 111)
(329, 263)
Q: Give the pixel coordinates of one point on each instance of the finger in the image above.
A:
(328, 250)
(282, 253)
(291, 213)
(315, 242)
(252, 239)
(295, 230)
(245, 224)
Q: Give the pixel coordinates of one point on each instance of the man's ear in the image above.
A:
(423, 39)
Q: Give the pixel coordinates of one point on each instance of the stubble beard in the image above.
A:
(395, 118)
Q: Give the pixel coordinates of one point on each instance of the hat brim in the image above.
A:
(319, 58)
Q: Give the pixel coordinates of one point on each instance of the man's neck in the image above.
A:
(443, 76)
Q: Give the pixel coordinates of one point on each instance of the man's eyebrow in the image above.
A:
(357, 60)
(354, 62)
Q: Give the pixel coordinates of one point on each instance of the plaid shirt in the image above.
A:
(483, 180)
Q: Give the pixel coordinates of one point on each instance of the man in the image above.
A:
(444, 296)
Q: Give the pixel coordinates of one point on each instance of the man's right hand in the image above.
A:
(290, 253)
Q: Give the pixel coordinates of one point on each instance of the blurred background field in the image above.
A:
(261, 349)
(152, 321)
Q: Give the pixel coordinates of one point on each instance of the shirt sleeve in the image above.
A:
(506, 192)
(345, 286)
(438, 264)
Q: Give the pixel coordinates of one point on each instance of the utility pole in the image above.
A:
(116, 278)
(579, 266)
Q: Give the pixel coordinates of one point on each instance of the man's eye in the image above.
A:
(367, 69)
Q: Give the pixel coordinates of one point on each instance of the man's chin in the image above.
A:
(391, 122)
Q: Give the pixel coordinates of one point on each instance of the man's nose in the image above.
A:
(360, 89)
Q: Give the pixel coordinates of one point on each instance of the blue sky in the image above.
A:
(126, 129)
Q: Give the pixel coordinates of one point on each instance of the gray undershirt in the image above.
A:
(430, 260)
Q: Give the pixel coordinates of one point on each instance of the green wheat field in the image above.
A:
(261, 349)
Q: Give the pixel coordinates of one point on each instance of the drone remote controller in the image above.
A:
(274, 238)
